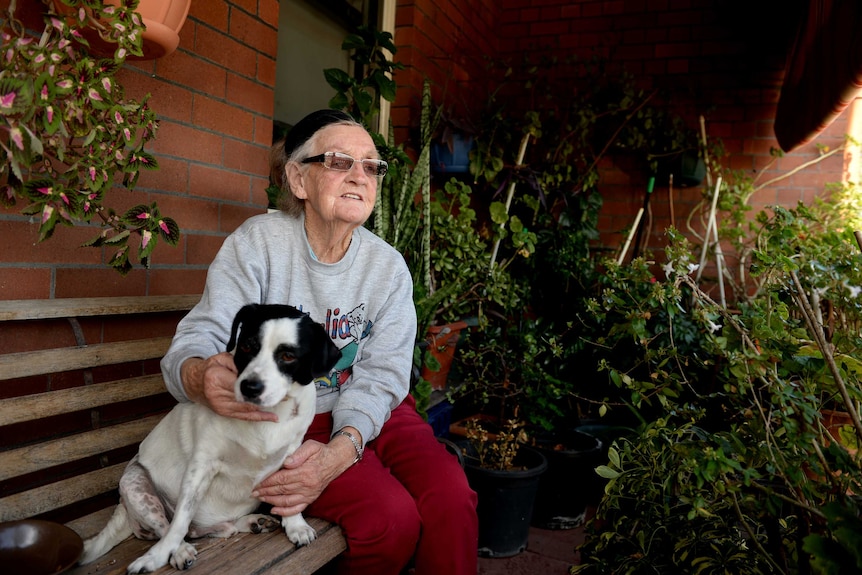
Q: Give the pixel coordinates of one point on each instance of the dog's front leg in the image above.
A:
(199, 474)
(297, 530)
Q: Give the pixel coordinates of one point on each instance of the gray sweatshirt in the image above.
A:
(365, 303)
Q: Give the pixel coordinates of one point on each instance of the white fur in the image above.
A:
(203, 467)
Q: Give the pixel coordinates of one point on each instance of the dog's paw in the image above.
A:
(90, 553)
(298, 531)
(261, 523)
(184, 556)
(144, 564)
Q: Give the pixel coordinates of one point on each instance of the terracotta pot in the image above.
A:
(163, 19)
(488, 422)
(442, 341)
(833, 421)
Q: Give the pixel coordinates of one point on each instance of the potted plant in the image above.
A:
(68, 131)
(505, 474)
(162, 20)
(733, 470)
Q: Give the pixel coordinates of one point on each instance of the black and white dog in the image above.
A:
(194, 473)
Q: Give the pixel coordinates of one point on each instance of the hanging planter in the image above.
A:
(162, 18)
(452, 156)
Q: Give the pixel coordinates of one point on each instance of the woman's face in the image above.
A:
(332, 196)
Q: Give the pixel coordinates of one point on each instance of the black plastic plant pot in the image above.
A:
(506, 502)
(570, 483)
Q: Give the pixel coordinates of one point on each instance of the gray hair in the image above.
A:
(278, 160)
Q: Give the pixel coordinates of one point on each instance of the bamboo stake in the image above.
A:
(631, 235)
(826, 351)
(670, 200)
(719, 261)
(709, 227)
(521, 153)
(705, 152)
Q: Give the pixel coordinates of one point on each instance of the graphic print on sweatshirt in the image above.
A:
(350, 327)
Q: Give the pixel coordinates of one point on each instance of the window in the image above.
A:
(310, 33)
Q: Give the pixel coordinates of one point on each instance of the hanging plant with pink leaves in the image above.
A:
(70, 136)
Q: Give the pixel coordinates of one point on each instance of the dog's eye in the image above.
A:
(249, 346)
(286, 357)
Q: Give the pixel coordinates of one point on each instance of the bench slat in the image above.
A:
(27, 363)
(93, 306)
(61, 493)
(246, 553)
(268, 554)
(67, 449)
(40, 405)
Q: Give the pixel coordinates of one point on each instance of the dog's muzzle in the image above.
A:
(251, 388)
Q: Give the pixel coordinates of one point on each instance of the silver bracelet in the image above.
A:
(353, 440)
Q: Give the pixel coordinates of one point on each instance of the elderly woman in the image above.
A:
(369, 462)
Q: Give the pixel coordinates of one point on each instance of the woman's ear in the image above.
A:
(296, 180)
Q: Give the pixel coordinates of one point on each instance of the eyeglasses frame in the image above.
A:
(322, 158)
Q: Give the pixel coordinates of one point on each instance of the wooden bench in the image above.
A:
(80, 387)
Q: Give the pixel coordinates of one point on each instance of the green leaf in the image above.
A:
(499, 215)
(606, 472)
(338, 79)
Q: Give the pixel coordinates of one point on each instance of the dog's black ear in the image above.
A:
(325, 354)
(241, 317)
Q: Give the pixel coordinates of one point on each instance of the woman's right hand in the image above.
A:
(211, 382)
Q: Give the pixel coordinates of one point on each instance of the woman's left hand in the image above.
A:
(304, 475)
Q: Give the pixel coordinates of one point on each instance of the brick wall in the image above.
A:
(720, 59)
(214, 98)
(448, 42)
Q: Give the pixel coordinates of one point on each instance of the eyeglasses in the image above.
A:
(344, 163)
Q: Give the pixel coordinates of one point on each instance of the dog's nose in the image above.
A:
(251, 388)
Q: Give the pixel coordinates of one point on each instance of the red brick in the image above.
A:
(202, 249)
(187, 38)
(253, 32)
(167, 282)
(268, 11)
(98, 282)
(25, 283)
(263, 131)
(250, 95)
(166, 254)
(213, 12)
(212, 182)
(62, 247)
(266, 70)
(222, 118)
(549, 28)
(166, 100)
(249, 6)
(171, 176)
(246, 158)
(258, 191)
(192, 214)
(225, 51)
(204, 76)
(232, 215)
(187, 142)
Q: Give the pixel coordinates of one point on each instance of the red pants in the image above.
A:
(408, 497)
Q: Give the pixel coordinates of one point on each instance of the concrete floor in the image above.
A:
(549, 552)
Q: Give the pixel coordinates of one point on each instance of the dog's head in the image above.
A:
(276, 347)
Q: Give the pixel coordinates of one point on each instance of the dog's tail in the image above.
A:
(114, 533)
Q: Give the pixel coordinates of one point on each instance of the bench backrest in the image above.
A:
(80, 387)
